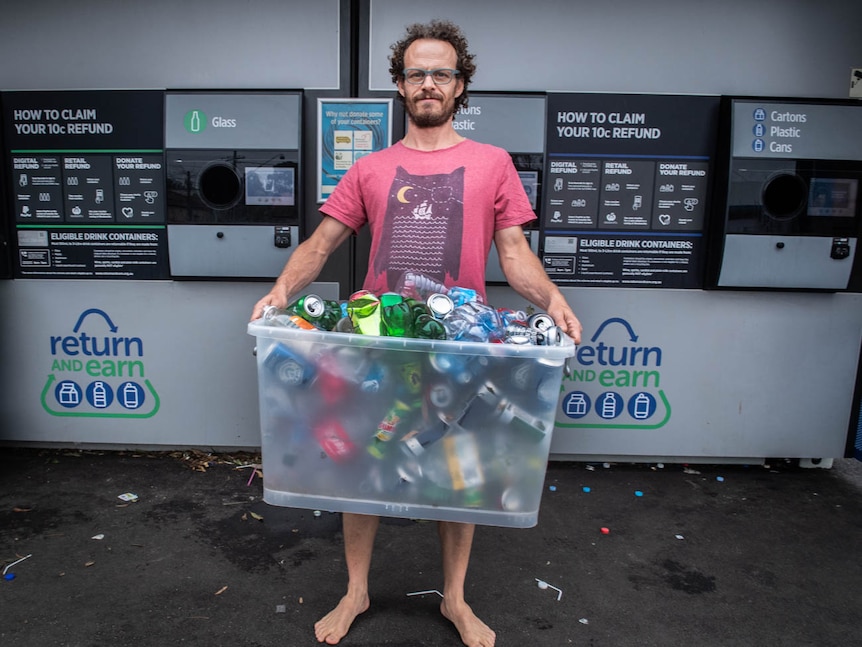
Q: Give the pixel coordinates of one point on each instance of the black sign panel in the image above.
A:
(84, 119)
(81, 160)
(627, 181)
(111, 252)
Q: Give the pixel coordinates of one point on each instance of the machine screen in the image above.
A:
(268, 185)
(834, 197)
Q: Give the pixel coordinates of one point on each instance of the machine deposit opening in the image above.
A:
(220, 186)
(784, 196)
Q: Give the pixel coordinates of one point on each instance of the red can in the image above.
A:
(334, 441)
(331, 383)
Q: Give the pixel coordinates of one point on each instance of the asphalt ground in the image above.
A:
(705, 555)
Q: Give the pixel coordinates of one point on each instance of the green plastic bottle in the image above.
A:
(363, 308)
(427, 327)
(397, 320)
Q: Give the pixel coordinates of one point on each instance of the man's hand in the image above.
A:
(304, 264)
(565, 318)
(275, 298)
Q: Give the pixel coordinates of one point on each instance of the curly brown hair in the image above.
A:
(435, 30)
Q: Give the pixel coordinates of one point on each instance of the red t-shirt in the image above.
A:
(431, 212)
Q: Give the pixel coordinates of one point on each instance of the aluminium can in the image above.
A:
(290, 367)
(440, 305)
(540, 321)
(313, 306)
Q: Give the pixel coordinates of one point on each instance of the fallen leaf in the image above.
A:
(221, 590)
(89, 563)
(256, 516)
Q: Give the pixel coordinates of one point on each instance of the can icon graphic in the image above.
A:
(641, 406)
(130, 396)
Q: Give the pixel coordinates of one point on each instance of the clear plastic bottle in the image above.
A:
(418, 286)
(272, 316)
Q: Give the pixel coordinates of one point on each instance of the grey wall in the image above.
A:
(190, 44)
(769, 47)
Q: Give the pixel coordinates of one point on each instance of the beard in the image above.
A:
(429, 119)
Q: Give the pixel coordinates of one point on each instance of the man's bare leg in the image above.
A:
(456, 540)
(359, 531)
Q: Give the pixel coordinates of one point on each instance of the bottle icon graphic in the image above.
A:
(195, 122)
(609, 406)
(100, 395)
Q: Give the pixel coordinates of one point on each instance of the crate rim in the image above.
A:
(563, 351)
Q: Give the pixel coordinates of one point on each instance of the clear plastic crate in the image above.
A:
(422, 429)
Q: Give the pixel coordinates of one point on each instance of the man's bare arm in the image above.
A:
(305, 264)
(525, 274)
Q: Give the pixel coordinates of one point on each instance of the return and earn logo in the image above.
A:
(618, 380)
(98, 374)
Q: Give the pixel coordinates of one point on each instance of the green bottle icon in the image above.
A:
(195, 121)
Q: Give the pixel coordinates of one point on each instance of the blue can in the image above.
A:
(460, 369)
(290, 367)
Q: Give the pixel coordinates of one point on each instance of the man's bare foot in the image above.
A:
(474, 632)
(334, 625)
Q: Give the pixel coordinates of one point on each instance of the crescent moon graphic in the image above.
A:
(401, 192)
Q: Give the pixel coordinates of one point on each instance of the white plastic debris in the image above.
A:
(8, 566)
(542, 584)
(425, 593)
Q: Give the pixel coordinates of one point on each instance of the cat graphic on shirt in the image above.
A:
(422, 227)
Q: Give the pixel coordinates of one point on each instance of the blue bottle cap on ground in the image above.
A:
(638, 493)
(585, 489)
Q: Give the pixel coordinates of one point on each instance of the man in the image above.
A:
(434, 202)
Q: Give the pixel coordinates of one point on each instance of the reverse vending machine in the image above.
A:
(642, 192)
(232, 164)
(790, 218)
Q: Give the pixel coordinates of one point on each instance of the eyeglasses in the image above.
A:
(440, 76)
